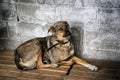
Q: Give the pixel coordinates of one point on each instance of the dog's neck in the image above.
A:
(53, 41)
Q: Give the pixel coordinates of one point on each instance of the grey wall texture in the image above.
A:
(95, 24)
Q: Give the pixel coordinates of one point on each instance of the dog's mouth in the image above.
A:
(67, 34)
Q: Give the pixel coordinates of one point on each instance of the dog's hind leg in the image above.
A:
(41, 65)
(84, 63)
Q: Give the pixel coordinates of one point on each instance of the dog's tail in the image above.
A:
(18, 62)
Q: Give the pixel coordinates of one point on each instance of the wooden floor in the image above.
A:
(108, 70)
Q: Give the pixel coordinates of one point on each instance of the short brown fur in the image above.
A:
(50, 51)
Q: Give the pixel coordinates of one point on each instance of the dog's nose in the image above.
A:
(67, 33)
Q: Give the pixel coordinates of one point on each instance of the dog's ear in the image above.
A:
(52, 30)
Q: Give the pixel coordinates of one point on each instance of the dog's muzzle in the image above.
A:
(67, 33)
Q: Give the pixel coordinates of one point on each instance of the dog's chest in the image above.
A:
(60, 52)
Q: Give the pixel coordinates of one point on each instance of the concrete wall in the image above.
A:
(95, 24)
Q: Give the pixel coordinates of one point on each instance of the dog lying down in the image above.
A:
(50, 51)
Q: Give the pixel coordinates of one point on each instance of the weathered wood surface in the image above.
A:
(108, 70)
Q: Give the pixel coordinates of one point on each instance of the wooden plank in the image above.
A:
(101, 70)
(84, 78)
(83, 74)
(101, 74)
(9, 68)
(7, 58)
(105, 63)
(108, 71)
(22, 78)
(18, 74)
(42, 72)
(7, 62)
(7, 78)
(7, 52)
(77, 78)
(26, 75)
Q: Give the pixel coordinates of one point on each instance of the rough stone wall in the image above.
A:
(95, 24)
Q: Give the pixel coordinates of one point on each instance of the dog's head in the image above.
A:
(61, 30)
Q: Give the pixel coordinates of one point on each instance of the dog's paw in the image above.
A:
(92, 67)
(55, 65)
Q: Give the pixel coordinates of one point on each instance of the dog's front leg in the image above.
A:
(67, 63)
(41, 65)
(84, 63)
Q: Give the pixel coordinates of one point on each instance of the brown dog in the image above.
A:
(50, 51)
